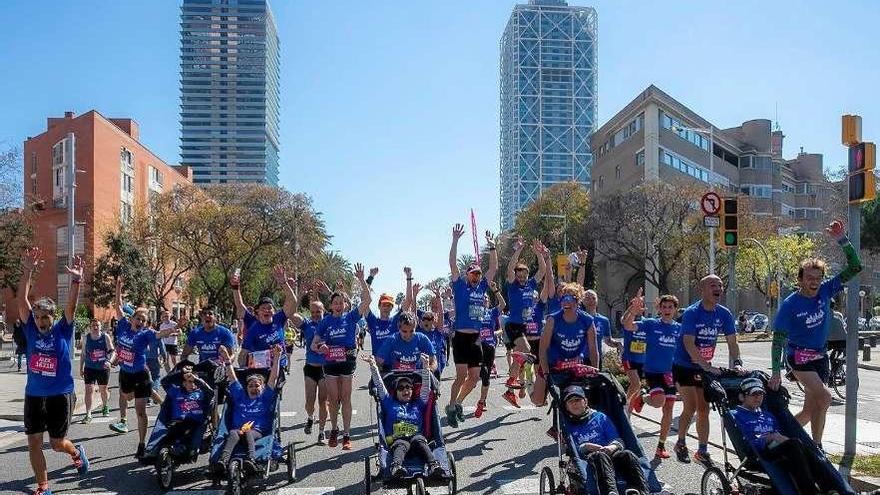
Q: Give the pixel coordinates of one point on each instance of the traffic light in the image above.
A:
(729, 224)
(862, 160)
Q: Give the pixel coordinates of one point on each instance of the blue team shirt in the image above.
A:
(661, 341)
(208, 343)
(48, 358)
(398, 354)
(597, 429)
(95, 352)
(131, 346)
(437, 338)
(634, 345)
(309, 329)
(603, 329)
(535, 328)
(488, 326)
(705, 326)
(755, 426)
(186, 404)
(340, 334)
(808, 319)
(569, 343)
(380, 329)
(521, 300)
(402, 419)
(258, 410)
(554, 304)
(469, 303)
(262, 337)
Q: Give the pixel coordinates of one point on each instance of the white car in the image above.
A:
(874, 324)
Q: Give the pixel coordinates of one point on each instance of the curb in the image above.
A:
(869, 367)
(860, 483)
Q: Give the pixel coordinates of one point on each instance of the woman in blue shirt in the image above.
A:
(314, 383)
(95, 366)
(489, 328)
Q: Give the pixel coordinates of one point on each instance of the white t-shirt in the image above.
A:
(165, 326)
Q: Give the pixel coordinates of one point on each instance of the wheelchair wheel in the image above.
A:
(715, 483)
(235, 478)
(838, 380)
(547, 483)
(368, 478)
(420, 487)
(164, 469)
(291, 462)
(453, 482)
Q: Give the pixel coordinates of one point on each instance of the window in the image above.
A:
(58, 173)
(33, 162)
(745, 161)
(61, 242)
(678, 129)
(125, 212)
(640, 158)
(678, 163)
(757, 190)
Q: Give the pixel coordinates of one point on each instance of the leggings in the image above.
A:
(486, 365)
(622, 461)
(402, 446)
(793, 456)
(250, 438)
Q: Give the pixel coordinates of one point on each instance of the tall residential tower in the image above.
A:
(548, 100)
(230, 91)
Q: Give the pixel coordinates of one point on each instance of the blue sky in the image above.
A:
(390, 108)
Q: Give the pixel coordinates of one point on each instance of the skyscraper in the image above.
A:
(229, 91)
(548, 100)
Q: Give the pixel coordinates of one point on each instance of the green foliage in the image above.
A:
(785, 254)
(870, 238)
(16, 235)
(125, 259)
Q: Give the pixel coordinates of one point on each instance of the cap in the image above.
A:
(265, 300)
(386, 298)
(750, 385)
(474, 268)
(574, 391)
(255, 376)
(402, 380)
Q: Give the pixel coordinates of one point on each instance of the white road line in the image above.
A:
(320, 490)
(524, 407)
(519, 487)
(196, 492)
(288, 414)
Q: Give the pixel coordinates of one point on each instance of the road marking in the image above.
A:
(288, 414)
(519, 487)
(524, 407)
(196, 492)
(320, 490)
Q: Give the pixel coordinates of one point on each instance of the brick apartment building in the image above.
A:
(117, 175)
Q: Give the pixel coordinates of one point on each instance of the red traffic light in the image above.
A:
(862, 156)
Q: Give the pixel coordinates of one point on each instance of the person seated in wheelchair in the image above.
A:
(403, 418)
(188, 399)
(600, 445)
(252, 410)
(759, 428)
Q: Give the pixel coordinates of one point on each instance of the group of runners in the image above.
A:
(552, 329)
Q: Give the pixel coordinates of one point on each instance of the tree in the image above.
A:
(785, 254)
(16, 234)
(870, 238)
(123, 258)
(165, 265)
(11, 176)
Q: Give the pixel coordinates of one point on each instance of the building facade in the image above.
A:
(116, 175)
(548, 100)
(230, 91)
(657, 138)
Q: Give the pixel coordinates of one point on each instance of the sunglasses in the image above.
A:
(208, 313)
(427, 319)
(404, 387)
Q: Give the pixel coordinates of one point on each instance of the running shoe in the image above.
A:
(513, 382)
(459, 413)
(435, 471)
(397, 471)
(87, 419)
(638, 402)
(120, 427)
(451, 416)
(681, 453)
(481, 406)
(105, 411)
(346, 442)
(42, 491)
(333, 441)
(553, 433)
(249, 467)
(703, 458)
(82, 461)
(494, 372)
(307, 429)
(140, 451)
(509, 396)
(322, 440)
(522, 358)
(662, 453)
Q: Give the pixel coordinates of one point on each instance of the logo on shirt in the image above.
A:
(45, 345)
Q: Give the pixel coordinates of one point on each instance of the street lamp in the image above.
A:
(711, 133)
(564, 229)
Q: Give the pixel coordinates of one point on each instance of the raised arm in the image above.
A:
(409, 299)
(30, 260)
(381, 391)
(538, 249)
(582, 269)
(275, 352)
(548, 287)
(75, 272)
(518, 245)
(500, 303)
(235, 283)
(457, 232)
(288, 286)
(227, 363)
(493, 256)
(414, 289)
(636, 307)
(117, 302)
(364, 308)
(853, 264)
(373, 272)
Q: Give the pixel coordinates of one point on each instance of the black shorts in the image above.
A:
(488, 355)
(535, 350)
(95, 377)
(687, 377)
(467, 350)
(313, 371)
(661, 383)
(513, 331)
(139, 383)
(51, 414)
(821, 366)
(171, 349)
(632, 365)
(342, 368)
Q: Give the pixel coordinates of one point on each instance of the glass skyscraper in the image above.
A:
(230, 91)
(548, 100)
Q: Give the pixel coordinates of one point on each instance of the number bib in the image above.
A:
(405, 366)
(531, 328)
(125, 356)
(43, 364)
(567, 364)
(636, 347)
(486, 333)
(475, 311)
(259, 359)
(707, 353)
(335, 354)
(97, 355)
(668, 379)
(804, 356)
(403, 429)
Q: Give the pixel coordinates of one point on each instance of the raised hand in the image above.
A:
(457, 231)
(322, 287)
(490, 239)
(407, 271)
(493, 286)
(518, 243)
(275, 351)
(836, 229)
(340, 284)
(368, 358)
(416, 287)
(76, 271)
(279, 274)
(32, 258)
(637, 304)
(223, 353)
(358, 272)
(374, 271)
(582, 256)
(235, 279)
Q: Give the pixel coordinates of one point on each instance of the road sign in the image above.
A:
(711, 221)
(710, 203)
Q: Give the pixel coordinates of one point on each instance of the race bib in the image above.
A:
(97, 355)
(125, 356)
(567, 364)
(804, 356)
(402, 429)
(335, 354)
(531, 328)
(191, 407)
(707, 353)
(526, 314)
(637, 347)
(475, 311)
(486, 333)
(44, 364)
(405, 366)
(667, 379)
(259, 359)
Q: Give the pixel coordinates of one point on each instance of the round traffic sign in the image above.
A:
(710, 203)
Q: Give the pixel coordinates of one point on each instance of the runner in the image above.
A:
(335, 340)
(661, 339)
(803, 324)
(94, 366)
(568, 342)
(469, 293)
(701, 324)
(132, 339)
(489, 329)
(314, 383)
(603, 324)
(521, 292)
(403, 350)
(434, 326)
(49, 397)
(264, 328)
(554, 302)
(171, 351)
(632, 359)
(207, 339)
(155, 355)
(535, 329)
(385, 326)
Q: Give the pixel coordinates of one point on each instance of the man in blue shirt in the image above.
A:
(206, 340)
(603, 324)
(49, 397)
(521, 299)
(803, 324)
(701, 325)
(403, 351)
(385, 325)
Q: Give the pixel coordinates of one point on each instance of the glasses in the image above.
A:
(407, 331)
(208, 313)
(756, 392)
(404, 387)
(427, 319)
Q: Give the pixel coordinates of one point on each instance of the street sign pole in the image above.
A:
(852, 351)
(711, 251)
(710, 203)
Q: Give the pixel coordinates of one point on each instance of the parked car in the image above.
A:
(874, 324)
(862, 324)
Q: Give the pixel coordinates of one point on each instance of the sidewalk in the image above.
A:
(12, 385)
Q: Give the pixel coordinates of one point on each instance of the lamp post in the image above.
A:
(564, 228)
